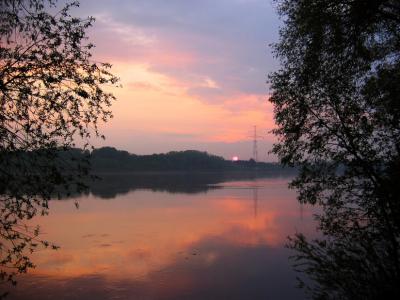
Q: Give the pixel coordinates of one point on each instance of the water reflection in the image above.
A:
(357, 255)
(109, 185)
(225, 244)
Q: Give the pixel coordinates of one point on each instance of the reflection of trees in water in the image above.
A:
(356, 264)
(27, 182)
(110, 185)
(358, 255)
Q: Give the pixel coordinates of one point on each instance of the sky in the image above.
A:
(193, 73)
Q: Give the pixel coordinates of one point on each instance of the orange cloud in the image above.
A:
(157, 104)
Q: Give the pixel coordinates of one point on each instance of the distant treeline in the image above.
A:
(110, 159)
(65, 171)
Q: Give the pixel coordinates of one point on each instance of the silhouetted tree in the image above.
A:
(337, 108)
(51, 93)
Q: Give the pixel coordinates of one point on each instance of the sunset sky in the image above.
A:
(193, 73)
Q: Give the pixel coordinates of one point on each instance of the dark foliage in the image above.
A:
(337, 109)
(108, 159)
(50, 94)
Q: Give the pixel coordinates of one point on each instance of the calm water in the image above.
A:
(219, 241)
